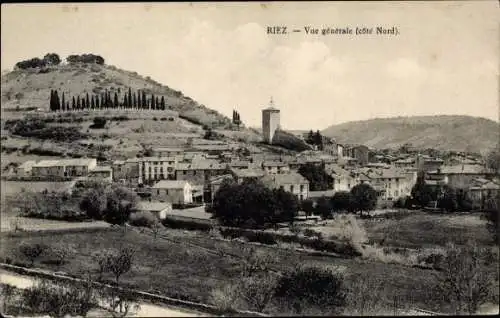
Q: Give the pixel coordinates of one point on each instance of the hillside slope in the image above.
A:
(446, 132)
(31, 88)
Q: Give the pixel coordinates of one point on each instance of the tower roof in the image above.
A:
(271, 106)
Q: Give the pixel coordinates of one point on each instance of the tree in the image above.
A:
(134, 104)
(307, 206)
(324, 208)
(78, 103)
(153, 102)
(286, 206)
(310, 137)
(97, 103)
(162, 103)
(465, 280)
(92, 102)
(116, 104)
(94, 203)
(304, 287)
(8, 291)
(157, 103)
(421, 192)
(448, 200)
(125, 101)
(341, 201)
(87, 101)
(144, 100)
(318, 140)
(129, 98)
(492, 159)
(62, 251)
(63, 102)
(364, 197)
(249, 204)
(120, 204)
(318, 179)
(492, 209)
(52, 101)
(120, 262)
(57, 102)
(32, 251)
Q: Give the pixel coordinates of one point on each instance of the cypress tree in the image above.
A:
(144, 100)
(162, 103)
(129, 97)
(63, 103)
(57, 103)
(110, 101)
(97, 106)
(87, 101)
(153, 103)
(139, 101)
(92, 102)
(51, 104)
(125, 101)
(135, 100)
(157, 102)
(67, 105)
(115, 102)
(78, 103)
(73, 104)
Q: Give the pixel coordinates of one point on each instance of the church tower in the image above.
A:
(270, 122)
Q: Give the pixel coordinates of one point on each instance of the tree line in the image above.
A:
(54, 59)
(105, 100)
(236, 118)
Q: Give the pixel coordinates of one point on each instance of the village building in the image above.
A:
(291, 182)
(275, 167)
(459, 176)
(156, 168)
(157, 208)
(126, 170)
(426, 163)
(198, 173)
(358, 152)
(173, 191)
(270, 122)
(342, 179)
(25, 169)
(483, 193)
(389, 183)
(101, 173)
(241, 175)
(64, 168)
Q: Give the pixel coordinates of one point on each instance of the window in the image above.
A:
(301, 189)
(282, 188)
(184, 172)
(291, 188)
(158, 191)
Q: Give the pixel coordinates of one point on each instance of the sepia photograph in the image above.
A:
(189, 159)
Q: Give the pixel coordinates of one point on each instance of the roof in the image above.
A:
(153, 206)
(239, 164)
(271, 109)
(220, 179)
(460, 169)
(168, 149)
(385, 174)
(118, 162)
(102, 168)
(407, 160)
(65, 162)
(170, 184)
(274, 164)
(163, 159)
(285, 178)
(248, 173)
(318, 194)
(27, 164)
(201, 165)
(212, 147)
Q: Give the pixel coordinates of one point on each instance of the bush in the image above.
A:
(99, 123)
(315, 287)
(32, 251)
(177, 223)
(143, 218)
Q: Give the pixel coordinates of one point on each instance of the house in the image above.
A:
(241, 175)
(127, 170)
(459, 176)
(173, 191)
(275, 167)
(391, 183)
(156, 168)
(426, 163)
(63, 168)
(24, 170)
(167, 152)
(215, 183)
(239, 164)
(291, 182)
(404, 163)
(157, 208)
(340, 150)
(103, 173)
(482, 191)
(199, 172)
(342, 180)
(213, 149)
(359, 152)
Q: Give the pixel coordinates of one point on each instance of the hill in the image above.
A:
(446, 132)
(25, 96)
(30, 88)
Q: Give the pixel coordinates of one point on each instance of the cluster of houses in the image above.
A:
(185, 176)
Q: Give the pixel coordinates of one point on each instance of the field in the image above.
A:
(186, 271)
(422, 229)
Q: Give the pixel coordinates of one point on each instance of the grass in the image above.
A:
(185, 271)
(428, 230)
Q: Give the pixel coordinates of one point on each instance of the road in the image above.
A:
(145, 309)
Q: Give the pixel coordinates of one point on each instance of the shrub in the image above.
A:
(142, 218)
(32, 251)
(312, 287)
(99, 123)
(177, 223)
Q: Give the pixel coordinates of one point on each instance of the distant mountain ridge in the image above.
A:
(443, 132)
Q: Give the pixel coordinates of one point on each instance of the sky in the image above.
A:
(443, 61)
